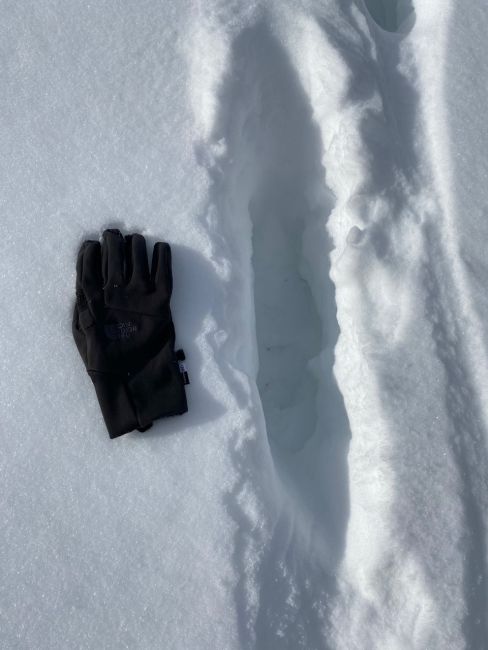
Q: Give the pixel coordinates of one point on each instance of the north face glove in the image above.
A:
(124, 331)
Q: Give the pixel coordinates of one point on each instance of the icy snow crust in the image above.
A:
(320, 171)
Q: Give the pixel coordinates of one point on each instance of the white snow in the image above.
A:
(320, 171)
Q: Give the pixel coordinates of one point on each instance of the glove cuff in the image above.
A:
(116, 404)
(158, 390)
(134, 402)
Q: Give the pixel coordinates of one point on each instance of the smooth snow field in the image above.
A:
(320, 169)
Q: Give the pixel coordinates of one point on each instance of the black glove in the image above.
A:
(124, 332)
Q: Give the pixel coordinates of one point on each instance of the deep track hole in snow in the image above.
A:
(296, 333)
(288, 327)
(270, 188)
(294, 297)
(392, 15)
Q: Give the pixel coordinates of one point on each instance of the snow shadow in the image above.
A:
(288, 325)
(392, 15)
(389, 140)
(467, 143)
(270, 129)
(468, 448)
(196, 288)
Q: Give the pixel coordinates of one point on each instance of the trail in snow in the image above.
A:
(286, 116)
(273, 156)
(453, 322)
(456, 446)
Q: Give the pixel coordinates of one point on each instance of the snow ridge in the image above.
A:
(269, 197)
(303, 151)
(318, 169)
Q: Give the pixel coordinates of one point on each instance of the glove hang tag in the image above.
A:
(180, 356)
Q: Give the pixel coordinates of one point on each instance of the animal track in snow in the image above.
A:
(288, 327)
(270, 206)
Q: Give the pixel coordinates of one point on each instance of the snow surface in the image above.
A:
(320, 170)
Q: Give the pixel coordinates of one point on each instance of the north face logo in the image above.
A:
(118, 331)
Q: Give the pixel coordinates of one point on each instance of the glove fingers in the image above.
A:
(161, 274)
(113, 246)
(79, 335)
(92, 268)
(137, 267)
(80, 298)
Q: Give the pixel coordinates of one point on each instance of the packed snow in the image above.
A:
(320, 171)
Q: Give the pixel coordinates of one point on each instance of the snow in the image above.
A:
(320, 172)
